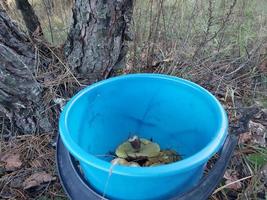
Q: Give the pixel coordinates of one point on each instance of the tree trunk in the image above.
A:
(49, 6)
(30, 18)
(96, 44)
(20, 93)
(97, 39)
(4, 5)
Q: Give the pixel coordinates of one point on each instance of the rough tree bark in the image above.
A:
(5, 4)
(20, 93)
(30, 18)
(97, 39)
(96, 44)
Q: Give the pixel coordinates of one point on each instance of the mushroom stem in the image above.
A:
(135, 142)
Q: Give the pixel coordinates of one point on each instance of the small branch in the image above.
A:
(225, 186)
(207, 31)
(210, 21)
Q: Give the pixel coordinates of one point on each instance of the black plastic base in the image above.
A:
(78, 189)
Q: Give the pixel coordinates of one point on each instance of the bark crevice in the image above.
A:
(97, 39)
(30, 18)
(21, 95)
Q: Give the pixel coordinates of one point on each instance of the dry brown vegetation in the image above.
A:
(222, 45)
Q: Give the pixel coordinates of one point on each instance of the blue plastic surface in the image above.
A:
(175, 113)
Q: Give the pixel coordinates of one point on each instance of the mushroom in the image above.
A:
(137, 148)
(122, 161)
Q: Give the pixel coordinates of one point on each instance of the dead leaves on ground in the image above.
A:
(257, 130)
(232, 180)
(245, 138)
(11, 161)
(37, 179)
(249, 160)
(27, 168)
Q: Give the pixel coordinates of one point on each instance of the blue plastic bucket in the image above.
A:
(175, 113)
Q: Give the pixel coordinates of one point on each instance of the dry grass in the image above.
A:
(222, 45)
(219, 44)
(37, 153)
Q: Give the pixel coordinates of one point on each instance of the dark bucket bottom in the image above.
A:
(77, 188)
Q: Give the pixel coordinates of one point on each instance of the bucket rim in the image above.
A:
(183, 165)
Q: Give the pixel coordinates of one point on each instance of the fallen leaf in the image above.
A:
(258, 132)
(37, 179)
(12, 161)
(231, 176)
(261, 117)
(245, 137)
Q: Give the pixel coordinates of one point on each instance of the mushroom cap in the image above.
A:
(147, 149)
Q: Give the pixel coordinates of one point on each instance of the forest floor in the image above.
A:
(28, 168)
(232, 65)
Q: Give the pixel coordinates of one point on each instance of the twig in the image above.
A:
(225, 20)
(207, 31)
(210, 22)
(67, 68)
(189, 24)
(151, 30)
(237, 181)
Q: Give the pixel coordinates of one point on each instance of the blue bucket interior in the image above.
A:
(175, 113)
